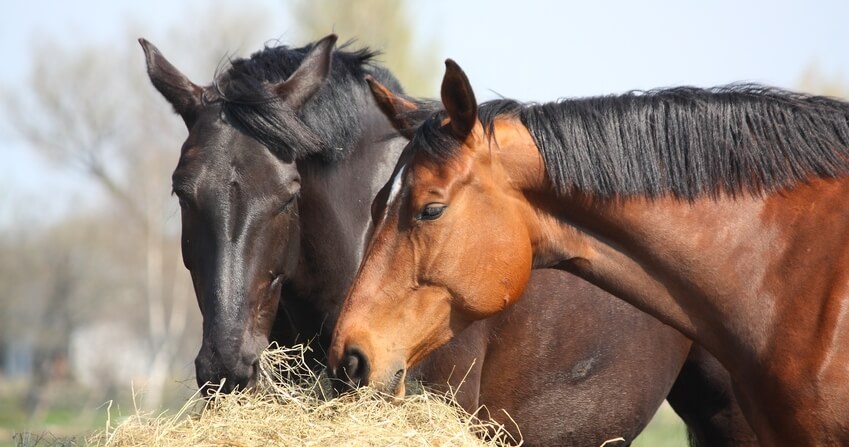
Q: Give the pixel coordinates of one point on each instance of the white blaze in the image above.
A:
(394, 190)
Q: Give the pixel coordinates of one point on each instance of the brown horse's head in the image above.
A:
(240, 234)
(450, 244)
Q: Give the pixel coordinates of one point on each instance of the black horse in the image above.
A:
(286, 151)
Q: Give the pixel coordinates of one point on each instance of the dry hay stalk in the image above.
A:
(289, 408)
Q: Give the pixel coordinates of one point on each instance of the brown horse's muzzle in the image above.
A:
(355, 370)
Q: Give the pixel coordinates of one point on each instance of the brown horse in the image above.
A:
(721, 212)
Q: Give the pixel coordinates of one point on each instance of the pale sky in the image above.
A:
(528, 49)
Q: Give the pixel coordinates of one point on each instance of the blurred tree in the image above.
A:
(813, 80)
(92, 109)
(51, 275)
(381, 24)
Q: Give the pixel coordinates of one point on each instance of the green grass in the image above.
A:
(64, 417)
(42, 440)
(55, 427)
(665, 430)
(70, 413)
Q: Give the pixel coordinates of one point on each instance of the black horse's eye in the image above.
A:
(181, 198)
(288, 205)
(431, 211)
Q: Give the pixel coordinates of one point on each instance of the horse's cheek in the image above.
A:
(509, 272)
(520, 272)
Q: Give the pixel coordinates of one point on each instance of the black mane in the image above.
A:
(684, 142)
(327, 123)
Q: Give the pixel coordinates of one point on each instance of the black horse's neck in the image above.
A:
(335, 222)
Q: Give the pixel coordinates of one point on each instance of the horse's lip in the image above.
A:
(396, 386)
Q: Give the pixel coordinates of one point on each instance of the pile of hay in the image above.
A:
(294, 412)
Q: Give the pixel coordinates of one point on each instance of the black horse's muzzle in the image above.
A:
(218, 373)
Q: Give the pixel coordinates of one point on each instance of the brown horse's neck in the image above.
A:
(689, 264)
(761, 281)
(709, 267)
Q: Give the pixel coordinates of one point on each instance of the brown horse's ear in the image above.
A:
(309, 76)
(183, 95)
(396, 108)
(459, 100)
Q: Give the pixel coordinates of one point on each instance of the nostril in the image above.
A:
(253, 374)
(355, 367)
(396, 381)
(352, 362)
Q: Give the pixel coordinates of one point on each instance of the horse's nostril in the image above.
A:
(254, 374)
(352, 363)
(397, 379)
(355, 367)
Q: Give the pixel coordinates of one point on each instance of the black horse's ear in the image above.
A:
(309, 76)
(183, 95)
(459, 100)
(396, 108)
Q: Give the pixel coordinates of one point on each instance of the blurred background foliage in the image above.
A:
(382, 24)
(99, 298)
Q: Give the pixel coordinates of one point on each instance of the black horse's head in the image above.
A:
(238, 199)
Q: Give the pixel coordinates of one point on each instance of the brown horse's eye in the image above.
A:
(431, 211)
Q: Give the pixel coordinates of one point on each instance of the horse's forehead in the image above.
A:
(212, 129)
(427, 175)
(214, 140)
(429, 171)
(216, 154)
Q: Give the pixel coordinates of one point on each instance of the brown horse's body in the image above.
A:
(758, 278)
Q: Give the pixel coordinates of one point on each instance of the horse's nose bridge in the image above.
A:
(228, 279)
(226, 309)
(385, 262)
(371, 296)
(235, 283)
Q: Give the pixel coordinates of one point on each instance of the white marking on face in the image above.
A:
(394, 191)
